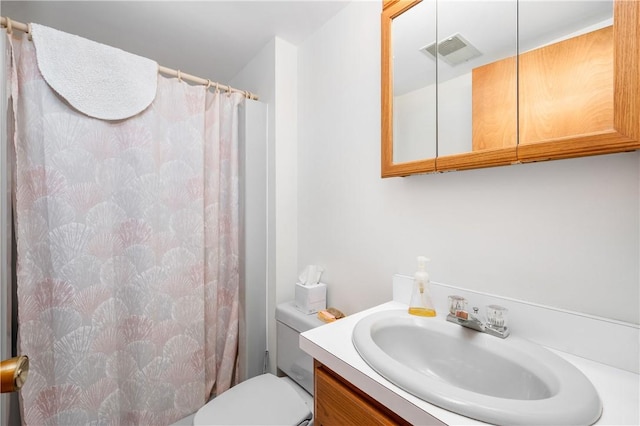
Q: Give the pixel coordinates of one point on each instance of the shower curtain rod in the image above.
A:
(10, 25)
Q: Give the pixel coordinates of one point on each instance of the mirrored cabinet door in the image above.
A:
(477, 47)
(409, 120)
(414, 84)
(566, 80)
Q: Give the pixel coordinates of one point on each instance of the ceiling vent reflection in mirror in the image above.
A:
(453, 50)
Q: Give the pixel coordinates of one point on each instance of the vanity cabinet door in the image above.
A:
(339, 403)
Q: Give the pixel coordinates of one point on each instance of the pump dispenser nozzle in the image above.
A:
(421, 302)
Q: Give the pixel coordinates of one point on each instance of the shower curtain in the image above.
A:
(127, 253)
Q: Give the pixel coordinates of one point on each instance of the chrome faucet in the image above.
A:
(496, 324)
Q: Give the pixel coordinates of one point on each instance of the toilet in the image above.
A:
(268, 399)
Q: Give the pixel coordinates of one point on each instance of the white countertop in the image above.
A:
(331, 345)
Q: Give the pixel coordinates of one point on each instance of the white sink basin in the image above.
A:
(500, 381)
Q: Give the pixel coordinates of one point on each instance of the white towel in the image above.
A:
(98, 80)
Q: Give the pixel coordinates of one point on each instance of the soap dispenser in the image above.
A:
(421, 302)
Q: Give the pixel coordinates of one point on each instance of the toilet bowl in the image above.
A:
(268, 399)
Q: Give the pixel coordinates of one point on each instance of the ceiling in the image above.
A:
(209, 39)
(214, 39)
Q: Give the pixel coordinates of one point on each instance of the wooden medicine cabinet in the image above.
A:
(565, 95)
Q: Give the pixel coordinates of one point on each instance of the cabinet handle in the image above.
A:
(13, 373)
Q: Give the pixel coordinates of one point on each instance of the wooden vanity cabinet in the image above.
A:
(339, 403)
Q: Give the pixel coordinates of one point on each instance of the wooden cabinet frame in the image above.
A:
(624, 134)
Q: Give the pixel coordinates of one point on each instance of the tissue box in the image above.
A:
(311, 298)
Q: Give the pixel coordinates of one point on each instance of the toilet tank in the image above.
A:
(294, 362)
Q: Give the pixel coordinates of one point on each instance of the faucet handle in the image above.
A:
(497, 317)
(456, 304)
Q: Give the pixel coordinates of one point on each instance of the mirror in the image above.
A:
(513, 81)
(414, 84)
(477, 113)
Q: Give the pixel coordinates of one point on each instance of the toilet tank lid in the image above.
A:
(288, 314)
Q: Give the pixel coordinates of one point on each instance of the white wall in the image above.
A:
(564, 233)
(414, 124)
(455, 115)
(273, 74)
(415, 115)
(253, 239)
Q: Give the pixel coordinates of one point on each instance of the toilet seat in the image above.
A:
(261, 400)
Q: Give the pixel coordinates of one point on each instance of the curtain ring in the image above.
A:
(9, 26)
(209, 83)
(29, 35)
(217, 88)
(180, 76)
